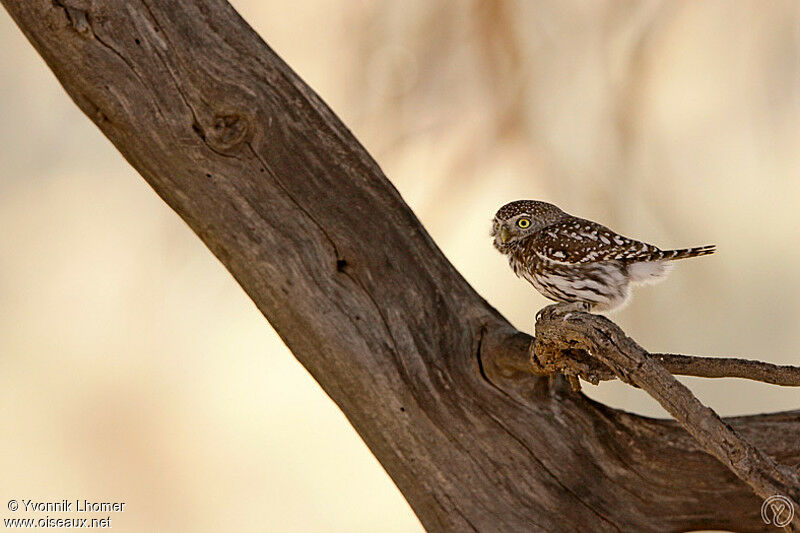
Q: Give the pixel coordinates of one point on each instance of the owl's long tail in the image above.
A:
(684, 253)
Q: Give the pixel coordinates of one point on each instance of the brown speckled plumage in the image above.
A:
(573, 260)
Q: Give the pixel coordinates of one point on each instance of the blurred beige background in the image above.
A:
(133, 368)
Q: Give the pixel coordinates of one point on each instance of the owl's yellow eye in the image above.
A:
(524, 223)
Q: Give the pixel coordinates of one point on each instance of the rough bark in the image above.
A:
(598, 338)
(425, 370)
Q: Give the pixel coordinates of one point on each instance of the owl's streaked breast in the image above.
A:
(602, 284)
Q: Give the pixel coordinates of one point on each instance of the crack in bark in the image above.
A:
(550, 472)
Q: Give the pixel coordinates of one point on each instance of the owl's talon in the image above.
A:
(568, 309)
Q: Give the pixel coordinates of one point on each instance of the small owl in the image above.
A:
(576, 261)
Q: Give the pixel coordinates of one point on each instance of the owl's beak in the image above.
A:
(505, 235)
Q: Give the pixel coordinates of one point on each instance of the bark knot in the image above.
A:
(228, 131)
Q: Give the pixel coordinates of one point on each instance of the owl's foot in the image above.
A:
(565, 309)
(573, 307)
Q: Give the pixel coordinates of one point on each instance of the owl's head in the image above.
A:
(516, 221)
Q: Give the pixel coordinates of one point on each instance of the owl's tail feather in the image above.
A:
(685, 253)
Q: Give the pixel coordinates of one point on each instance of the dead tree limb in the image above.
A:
(303, 218)
(729, 367)
(591, 369)
(598, 338)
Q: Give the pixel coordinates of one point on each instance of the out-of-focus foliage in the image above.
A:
(133, 368)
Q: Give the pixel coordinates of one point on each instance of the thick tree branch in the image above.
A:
(425, 370)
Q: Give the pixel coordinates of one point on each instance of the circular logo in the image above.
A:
(777, 510)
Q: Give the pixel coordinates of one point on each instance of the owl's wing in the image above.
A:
(581, 241)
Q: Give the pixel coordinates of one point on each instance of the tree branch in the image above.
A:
(425, 370)
(729, 367)
(601, 339)
(572, 363)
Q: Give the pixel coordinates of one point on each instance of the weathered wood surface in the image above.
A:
(424, 369)
(598, 338)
